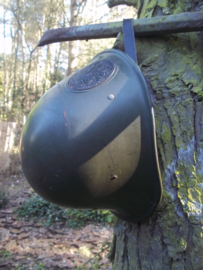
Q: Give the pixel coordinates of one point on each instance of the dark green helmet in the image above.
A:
(89, 142)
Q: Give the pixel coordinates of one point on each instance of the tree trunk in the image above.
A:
(172, 66)
(5, 88)
(11, 68)
(38, 73)
(16, 55)
(26, 98)
(46, 84)
(73, 8)
(15, 64)
(23, 44)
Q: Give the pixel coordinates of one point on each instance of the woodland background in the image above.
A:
(26, 76)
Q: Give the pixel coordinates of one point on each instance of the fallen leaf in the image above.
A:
(11, 245)
(17, 224)
(87, 229)
(9, 219)
(42, 230)
(46, 255)
(68, 256)
(75, 245)
(73, 250)
(91, 240)
(69, 264)
(77, 263)
(23, 235)
(104, 261)
(19, 257)
(78, 236)
(58, 236)
(7, 211)
(16, 231)
(85, 252)
(4, 235)
(3, 264)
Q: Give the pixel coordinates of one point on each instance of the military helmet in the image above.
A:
(89, 142)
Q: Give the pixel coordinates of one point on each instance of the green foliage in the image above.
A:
(40, 266)
(3, 198)
(49, 213)
(78, 218)
(35, 266)
(5, 255)
(38, 207)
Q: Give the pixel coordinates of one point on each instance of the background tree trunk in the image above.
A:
(172, 66)
(15, 63)
(73, 20)
(5, 86)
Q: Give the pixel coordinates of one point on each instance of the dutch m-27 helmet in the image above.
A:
(89, 142)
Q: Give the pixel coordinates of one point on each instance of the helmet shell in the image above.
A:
(89, 142)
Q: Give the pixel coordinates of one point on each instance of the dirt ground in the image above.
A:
(29, 245)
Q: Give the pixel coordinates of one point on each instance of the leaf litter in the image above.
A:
(29, 245)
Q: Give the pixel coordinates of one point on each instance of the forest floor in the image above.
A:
(30, 245)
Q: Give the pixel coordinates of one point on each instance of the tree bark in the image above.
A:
(172, 66)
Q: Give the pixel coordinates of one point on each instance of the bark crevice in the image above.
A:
(195, 124)
(111, 255)
(125, 253)
(139, 243)
(188, 262)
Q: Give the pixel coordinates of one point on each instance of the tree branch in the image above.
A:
(113, 3)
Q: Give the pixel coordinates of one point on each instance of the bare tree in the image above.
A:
(73, 20)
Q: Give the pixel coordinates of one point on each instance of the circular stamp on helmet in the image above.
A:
(92, 75)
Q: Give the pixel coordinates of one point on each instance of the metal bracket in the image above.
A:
(178, 23)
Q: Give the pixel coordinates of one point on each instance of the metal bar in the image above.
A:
(184, 22)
